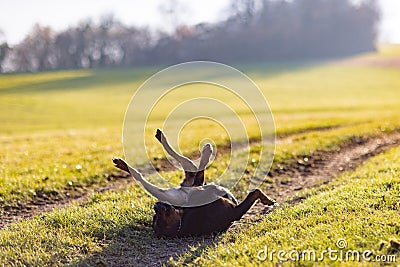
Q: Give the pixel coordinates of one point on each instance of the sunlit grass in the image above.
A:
(389, 49)
(54, 163)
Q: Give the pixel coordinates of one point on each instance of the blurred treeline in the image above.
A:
(253, 31)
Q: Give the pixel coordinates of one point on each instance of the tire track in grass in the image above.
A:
(11, 213)
(320, 168)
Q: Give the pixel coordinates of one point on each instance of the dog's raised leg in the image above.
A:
(188, 166)
(186, 163)
(160, 193)
(246, 204)
(205, 158)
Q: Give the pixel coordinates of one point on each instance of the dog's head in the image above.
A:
(167, 220)
(189, 179)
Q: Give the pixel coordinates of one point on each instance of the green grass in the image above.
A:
(360, 207)
(54, 164)
(67, 100)
(59, 131)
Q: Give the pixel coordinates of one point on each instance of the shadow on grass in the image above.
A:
(137, 245)
(118, 76)
(93, 79)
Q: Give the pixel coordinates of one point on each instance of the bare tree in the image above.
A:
(4, 49)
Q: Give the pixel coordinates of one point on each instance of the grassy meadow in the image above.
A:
(59, 131)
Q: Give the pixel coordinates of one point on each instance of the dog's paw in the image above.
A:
(207, 150)
(159, 135)
(267, 201)
(120, 164)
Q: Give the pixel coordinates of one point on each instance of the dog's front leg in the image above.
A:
(164, 195)
(186, 163)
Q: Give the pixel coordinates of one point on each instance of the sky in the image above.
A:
(17, 17)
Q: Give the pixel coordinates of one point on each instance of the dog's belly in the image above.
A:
(202, 195)
(196, 196)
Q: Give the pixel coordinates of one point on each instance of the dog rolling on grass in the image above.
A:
(175, 216)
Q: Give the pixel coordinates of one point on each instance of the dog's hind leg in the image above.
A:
(246, 204)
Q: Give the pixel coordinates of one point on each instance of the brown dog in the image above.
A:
(217, 216)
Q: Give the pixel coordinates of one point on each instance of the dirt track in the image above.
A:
(43, 203)
(321, 167)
